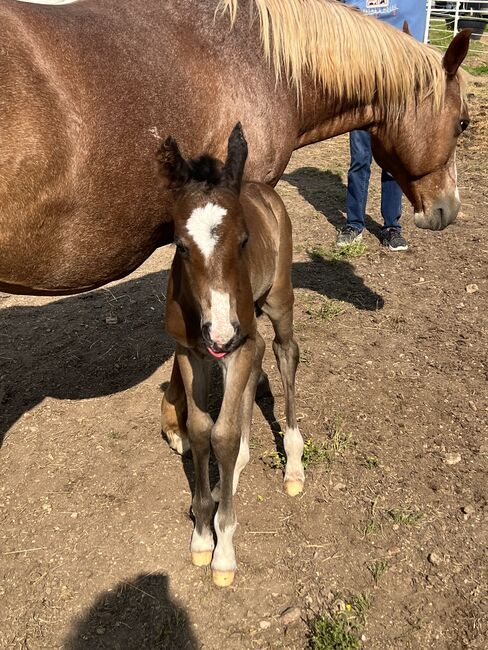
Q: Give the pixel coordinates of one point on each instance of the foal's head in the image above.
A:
(210, 237)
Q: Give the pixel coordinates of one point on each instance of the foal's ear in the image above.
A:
(236, 159)
(456, 52)
(406, 28)
(173, 168)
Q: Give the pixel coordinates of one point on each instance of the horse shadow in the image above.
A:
(137, 613)
(91, 345)
(326, 192)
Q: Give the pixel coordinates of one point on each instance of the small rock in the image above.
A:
(452, 458)
(339, 486)
(472, 405)
(472, 288)
(291, 615)
(264, 625)
(484, 448)
(74, 515)
(468, 509)
(434, 558)
(111, 320)
(100, 630)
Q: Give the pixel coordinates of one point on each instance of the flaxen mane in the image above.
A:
(353, 57)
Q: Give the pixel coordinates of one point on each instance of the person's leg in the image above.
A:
(391, 210)
(357, 186)
(358, 178)
(391, 201)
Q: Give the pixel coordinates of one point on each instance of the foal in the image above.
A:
(233, 256)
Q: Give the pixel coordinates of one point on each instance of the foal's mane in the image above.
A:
(353, 57)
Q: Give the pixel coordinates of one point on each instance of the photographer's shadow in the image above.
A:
(138, 614)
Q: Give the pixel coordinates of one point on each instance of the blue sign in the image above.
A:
(395, 12)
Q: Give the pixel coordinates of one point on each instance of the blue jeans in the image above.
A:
(358, 182)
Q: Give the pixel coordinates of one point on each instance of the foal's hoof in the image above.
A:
(177, 443)
(223, 578)
(292, 488)
(201, 558)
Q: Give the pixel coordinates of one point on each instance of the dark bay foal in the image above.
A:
(233, 255)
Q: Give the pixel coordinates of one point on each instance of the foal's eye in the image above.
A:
(244, 241)
(180, 247)
(463, 125)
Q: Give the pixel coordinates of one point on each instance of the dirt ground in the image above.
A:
(94, 506)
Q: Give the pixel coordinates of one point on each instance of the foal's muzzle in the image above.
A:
(218, 350)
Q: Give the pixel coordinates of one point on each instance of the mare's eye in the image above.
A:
(180, 247)
(463, 125)
(244, 241)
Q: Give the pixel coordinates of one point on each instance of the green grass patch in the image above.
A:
(405, 516)
(327, 310)
(377, 569)
(477, 70)
(339, 254)
(371, 462)
(339, 628)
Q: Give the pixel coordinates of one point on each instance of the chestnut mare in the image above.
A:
(234, 255)
(84, 79)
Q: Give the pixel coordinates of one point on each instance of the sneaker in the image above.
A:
(394, 240)
(347, 235)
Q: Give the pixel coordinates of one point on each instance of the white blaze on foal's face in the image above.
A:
(202, 226)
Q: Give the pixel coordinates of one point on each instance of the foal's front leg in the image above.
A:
(226, 435)
(194, 373)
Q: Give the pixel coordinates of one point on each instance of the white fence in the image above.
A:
(447, 17)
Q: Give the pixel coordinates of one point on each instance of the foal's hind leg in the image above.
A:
(174, 412)
(279, 309)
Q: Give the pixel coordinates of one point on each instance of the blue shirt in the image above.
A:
(395, 12)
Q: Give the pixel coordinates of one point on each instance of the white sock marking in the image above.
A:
(202, 542)
(202, 226)
(293, 443)
(224, 557)
(222, 329)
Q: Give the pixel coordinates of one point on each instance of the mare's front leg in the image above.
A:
(174, 412)
(195, 378)
(226, 435)
(279, 308)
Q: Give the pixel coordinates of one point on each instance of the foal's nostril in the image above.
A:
(206, 331)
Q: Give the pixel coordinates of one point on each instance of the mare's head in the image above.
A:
(210, 237)
(419, 149)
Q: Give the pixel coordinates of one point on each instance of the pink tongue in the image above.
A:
(217, 355)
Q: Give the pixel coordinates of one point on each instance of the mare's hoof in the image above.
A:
(201, 558)
(223, 578)
(292, 488)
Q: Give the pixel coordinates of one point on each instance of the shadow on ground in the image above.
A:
(134, 615)
(86, 346)
(326, 192)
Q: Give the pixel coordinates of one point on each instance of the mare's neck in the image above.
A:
(319, 118)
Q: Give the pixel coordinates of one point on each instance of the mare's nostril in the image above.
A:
(237, 329)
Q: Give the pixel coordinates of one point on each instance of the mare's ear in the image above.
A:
(173, 168)
(456, 52)
(406, 28)
(236, 159)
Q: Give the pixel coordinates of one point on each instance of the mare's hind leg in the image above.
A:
(194, 375)
(279, 308)
(246, 419)
(174, 412)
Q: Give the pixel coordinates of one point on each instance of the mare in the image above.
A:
(83, 79)
(233, 256)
